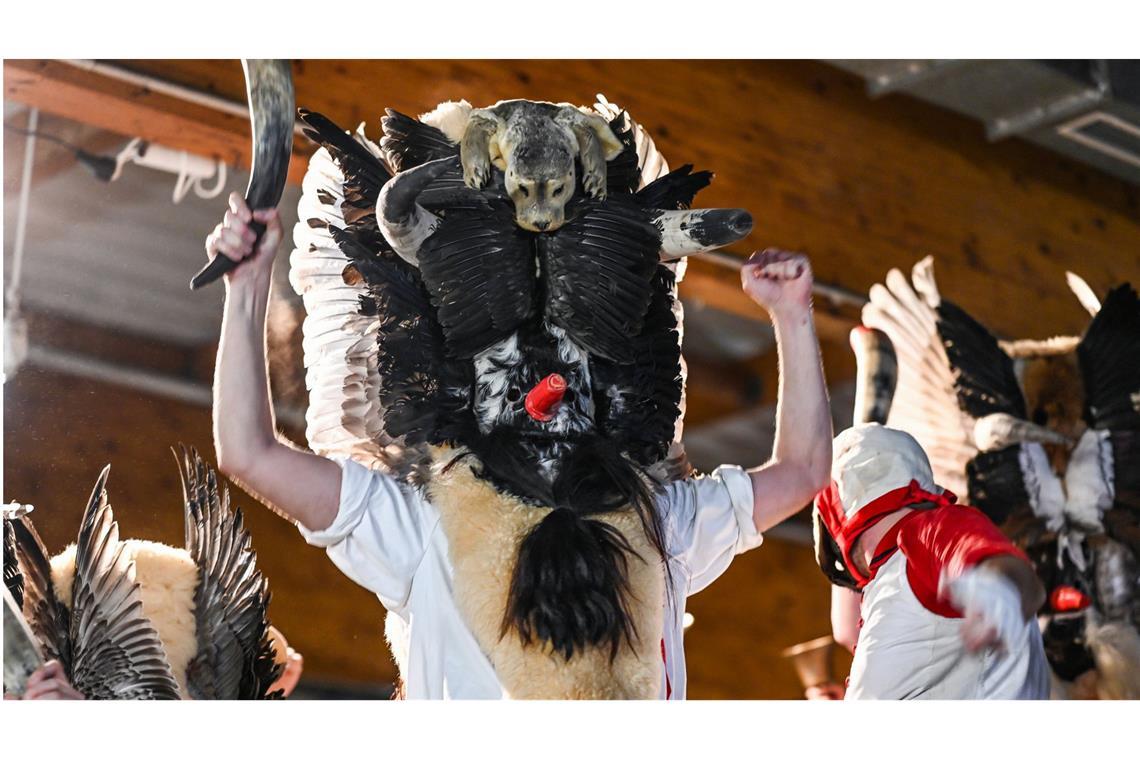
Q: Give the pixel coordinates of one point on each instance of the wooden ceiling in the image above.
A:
(859, 185)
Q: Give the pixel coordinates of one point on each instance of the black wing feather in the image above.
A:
(638, 401)
(479, 270)
(364, 176)
(623, 175)
(1109, 357)
(598, 271)
(675, 190)
(116, 652)
(996, 483)
(983, 372)
(48, 618)
(231, 600)
(420, 390)
(409, 142)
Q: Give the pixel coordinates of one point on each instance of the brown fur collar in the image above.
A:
(484, 528)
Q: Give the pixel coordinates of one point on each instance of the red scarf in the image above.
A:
(847, 531)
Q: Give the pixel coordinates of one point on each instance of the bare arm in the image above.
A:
(801, 457)
(300, 485)
(845, 616)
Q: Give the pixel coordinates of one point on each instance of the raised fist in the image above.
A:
(780, 281)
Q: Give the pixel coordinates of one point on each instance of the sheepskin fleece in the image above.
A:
(449, 117)
(167, 578)
(1116, 650)
(484, 529)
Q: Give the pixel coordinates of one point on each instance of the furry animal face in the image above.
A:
(539, 180)
(539, 158)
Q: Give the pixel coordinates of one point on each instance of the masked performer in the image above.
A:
(947, 601)
(1043, 436)
(129, 619)
(495, 382)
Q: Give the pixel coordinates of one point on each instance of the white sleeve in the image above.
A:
(709, 521)
(379, 535)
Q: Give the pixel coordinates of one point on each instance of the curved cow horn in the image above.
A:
(876, 375)
(996, 431)
(695, 231)
(404, 223)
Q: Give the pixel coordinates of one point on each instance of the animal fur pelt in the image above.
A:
(485, 528)
(1116, 649)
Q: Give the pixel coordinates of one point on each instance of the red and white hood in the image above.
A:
(875, 471)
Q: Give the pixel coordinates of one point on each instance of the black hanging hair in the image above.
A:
(570, 584)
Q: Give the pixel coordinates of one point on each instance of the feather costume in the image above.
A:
(434, 318)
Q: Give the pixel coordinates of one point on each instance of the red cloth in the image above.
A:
(943, 541)
(846, 530)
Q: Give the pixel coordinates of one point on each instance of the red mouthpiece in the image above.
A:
(1068, 599)
(543, 400)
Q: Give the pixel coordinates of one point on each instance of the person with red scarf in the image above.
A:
(948, 603)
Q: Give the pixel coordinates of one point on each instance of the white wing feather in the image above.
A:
(344, 418)
(925, 403)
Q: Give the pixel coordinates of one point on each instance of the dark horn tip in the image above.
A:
(740, 222)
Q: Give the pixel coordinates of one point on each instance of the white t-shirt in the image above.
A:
(387, 538)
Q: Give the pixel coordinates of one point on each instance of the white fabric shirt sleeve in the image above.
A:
(708, 521)
(380, 533)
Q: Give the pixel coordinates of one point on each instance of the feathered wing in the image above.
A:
(651, 164)
(234, 658)
(638, 401)
(409, 142)
(379, 386)
(479, 269)
(1109, 359)
(674, 190)
(13, 577)
(116, 653)
(926, 403)
(345, 417)
(48, 618)
(598, 271)
(651, 167)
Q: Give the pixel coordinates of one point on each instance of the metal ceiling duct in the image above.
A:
(1088, 110)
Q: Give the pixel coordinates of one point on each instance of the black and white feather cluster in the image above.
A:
(596, 281)
(231, 601)
(104, 641)
(107, 647)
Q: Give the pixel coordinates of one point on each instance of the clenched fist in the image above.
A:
(234, 239)
(780, 281)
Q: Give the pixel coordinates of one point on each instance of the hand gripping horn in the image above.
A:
(269, 87)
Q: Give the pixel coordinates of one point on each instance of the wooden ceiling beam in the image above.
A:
(91, 98)
(64, 90)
